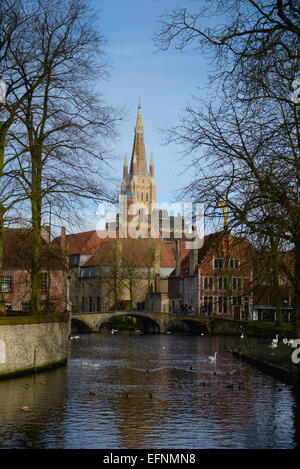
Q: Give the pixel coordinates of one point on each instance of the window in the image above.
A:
(236, 283)
(44, 284)
(82, 304)
(25, 306)
(7, 306)
(234, 263)
(147, 197)
(98, 303)
(6, 284)
(219, 263)
(222, 283)
(236, 300)
(90, 304)
(208, 304)
(208, 283)
(222, 301)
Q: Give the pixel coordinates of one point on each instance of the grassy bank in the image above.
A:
(15, 320)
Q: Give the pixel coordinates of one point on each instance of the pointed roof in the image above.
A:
(138, 149)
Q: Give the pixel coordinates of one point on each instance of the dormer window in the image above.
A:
(219, 263)
(234, 263)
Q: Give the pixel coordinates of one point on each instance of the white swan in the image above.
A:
(214, 358)
(275, 341)
(273, 345)
(285, 340)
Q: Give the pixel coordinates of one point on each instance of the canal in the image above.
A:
(126, 390)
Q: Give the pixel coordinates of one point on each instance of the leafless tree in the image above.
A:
(245, 140)
(64, 129)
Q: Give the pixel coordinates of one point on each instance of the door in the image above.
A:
(237, 312)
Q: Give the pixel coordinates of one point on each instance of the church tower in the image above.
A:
(138, 183)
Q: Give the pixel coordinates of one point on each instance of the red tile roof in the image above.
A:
(89, 242)
(17, 250)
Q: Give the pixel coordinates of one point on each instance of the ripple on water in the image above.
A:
(149, 392)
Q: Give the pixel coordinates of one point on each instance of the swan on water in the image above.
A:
(273, 345)
(213, 358)
(275, 341)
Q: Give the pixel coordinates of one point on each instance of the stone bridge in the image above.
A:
(152, 322)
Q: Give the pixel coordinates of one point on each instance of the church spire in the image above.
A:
(139, 146)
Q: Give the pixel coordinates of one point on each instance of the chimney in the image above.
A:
(178, 259)
(63, 238)
(193, 261)
(45, 233)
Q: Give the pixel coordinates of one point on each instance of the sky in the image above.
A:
(164, 82)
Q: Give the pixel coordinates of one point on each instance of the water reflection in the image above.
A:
(136, 391)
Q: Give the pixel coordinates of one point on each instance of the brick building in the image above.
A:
(215, 279)
(16, 286)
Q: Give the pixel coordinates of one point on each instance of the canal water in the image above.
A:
(131, 391)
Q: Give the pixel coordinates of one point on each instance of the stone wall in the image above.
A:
(26, 348)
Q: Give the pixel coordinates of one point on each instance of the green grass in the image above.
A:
(14, 320)
(285, 327)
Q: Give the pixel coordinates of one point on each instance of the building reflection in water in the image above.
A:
(126, 391)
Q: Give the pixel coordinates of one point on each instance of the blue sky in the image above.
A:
(164, 81)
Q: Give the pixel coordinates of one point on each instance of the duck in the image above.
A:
(285, 341)
(290, 342)
(213, 358)
(242, 336)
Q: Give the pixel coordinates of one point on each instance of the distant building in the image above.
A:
(92, 257)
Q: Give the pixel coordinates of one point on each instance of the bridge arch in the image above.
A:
(150, 324)
(187, 325)
(80, 325)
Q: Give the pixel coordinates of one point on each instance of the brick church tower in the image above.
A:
(138, 184)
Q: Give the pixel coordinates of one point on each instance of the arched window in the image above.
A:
(147, 197)
(142, 196)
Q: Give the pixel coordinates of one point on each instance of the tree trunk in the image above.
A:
(2, 302)
(36, 202)
(296, 285)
